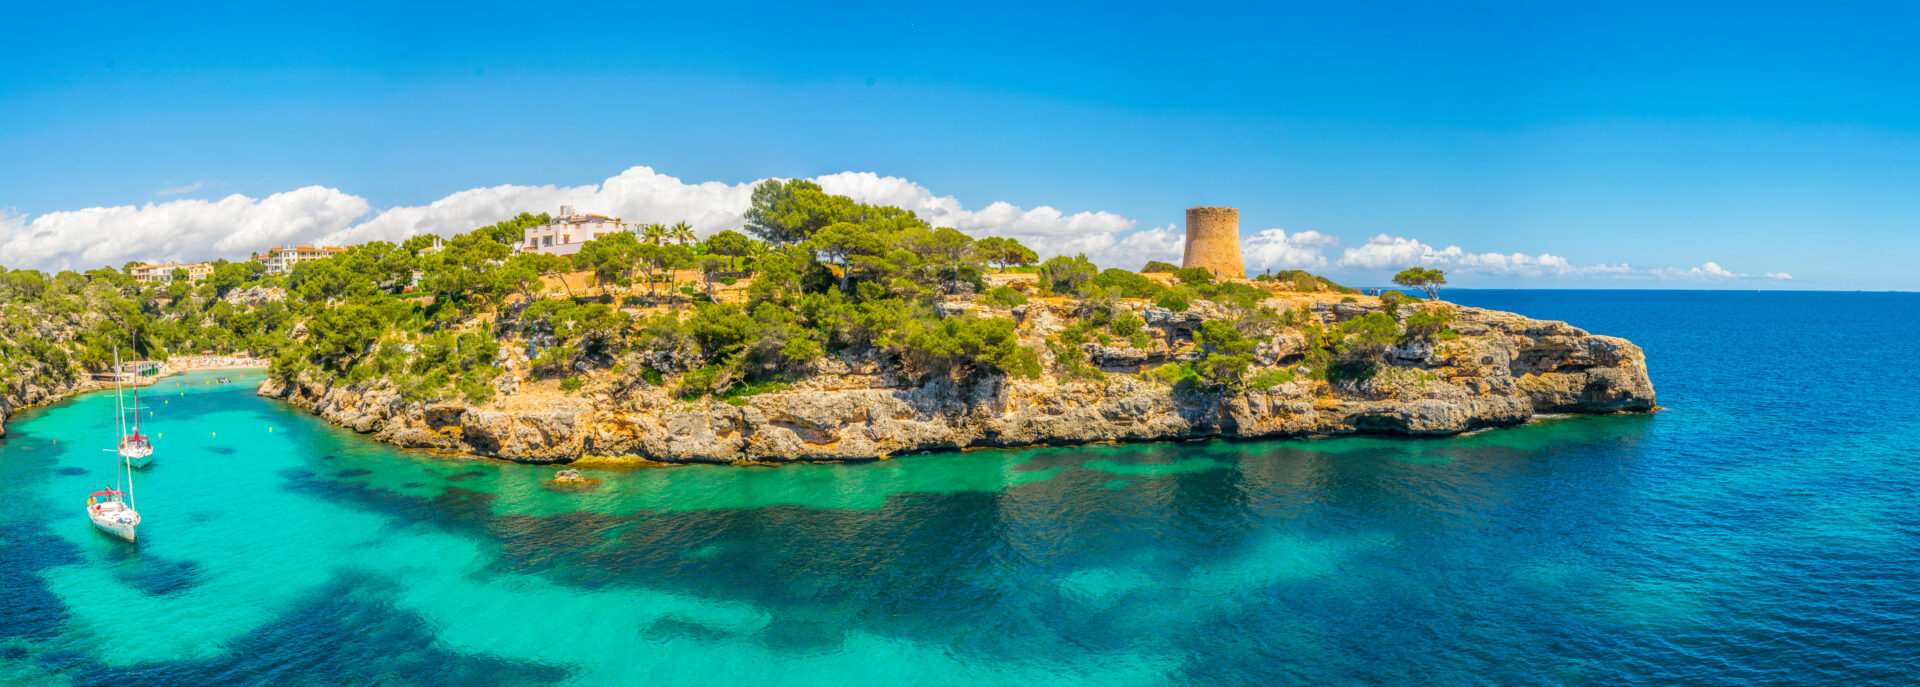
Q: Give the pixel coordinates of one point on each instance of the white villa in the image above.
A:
(567, 232)
(163, 272)
(280, 260)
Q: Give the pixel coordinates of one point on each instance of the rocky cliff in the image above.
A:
(1501, 370)
(26, 394)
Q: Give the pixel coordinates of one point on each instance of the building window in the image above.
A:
(547, 240)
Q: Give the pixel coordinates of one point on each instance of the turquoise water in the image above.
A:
(1766, 529)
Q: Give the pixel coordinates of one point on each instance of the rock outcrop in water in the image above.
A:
(1501, 370)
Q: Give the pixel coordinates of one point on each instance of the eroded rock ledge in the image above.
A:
(1502, 370)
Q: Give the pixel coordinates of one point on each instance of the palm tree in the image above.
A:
(653, 233)
(755, 251)
(681, 232)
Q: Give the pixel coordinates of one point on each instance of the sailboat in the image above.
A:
(111, 509)
(135, 448)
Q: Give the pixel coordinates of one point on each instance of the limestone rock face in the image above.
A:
(1501, 371)
(26, 394)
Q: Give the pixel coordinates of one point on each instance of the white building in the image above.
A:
(564, 235)
(280, 260)
(163, 272)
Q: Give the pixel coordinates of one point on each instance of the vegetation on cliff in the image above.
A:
(823, 284)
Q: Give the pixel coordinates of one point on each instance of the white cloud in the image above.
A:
(177, 190)
(235, 226)
(1393, 252)
(187, 230)
(1166, 244)
(1707, 271)
(1046, 230)
(1385, 252)
(1276, 249)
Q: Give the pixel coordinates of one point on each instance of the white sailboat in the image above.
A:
(111, 509)
(134, 448)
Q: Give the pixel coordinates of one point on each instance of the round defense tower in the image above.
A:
(1213, 242)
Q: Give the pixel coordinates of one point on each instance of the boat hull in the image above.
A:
(138, 461)
(119, 529)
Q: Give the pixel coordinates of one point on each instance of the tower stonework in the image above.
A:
(1213, 242)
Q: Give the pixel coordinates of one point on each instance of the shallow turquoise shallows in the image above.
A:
(1765, 529)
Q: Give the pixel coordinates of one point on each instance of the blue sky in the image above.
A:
(1636, 143)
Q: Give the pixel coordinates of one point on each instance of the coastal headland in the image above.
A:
(836, 331)
(1501, 370)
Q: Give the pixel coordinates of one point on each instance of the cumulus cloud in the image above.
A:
(1046, 230)
(187, 230)
(233, 227)
(1135, 250)
(1276, 249)
(1383, 252)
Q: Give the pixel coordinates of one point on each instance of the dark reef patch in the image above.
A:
(31, 610)
(347, 633)
(155, 576)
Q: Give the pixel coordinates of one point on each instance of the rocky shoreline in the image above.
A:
(1503, 370)
(24, 396)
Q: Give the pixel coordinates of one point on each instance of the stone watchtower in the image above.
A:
(1213, 241)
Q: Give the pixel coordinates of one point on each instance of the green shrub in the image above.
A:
(1370, 332)
(1267, 380)
(1233, 292)
(1158, 267)
(570, 384)
(737, 396)
(1180, 376)
(1004, 297)
(1124, 284)
(1194, 275)
(1064, 275)
(1171, 301)
(1391, 301)
(705, 380)
(1429, 323)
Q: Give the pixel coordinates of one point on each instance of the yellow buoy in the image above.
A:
(213, 434)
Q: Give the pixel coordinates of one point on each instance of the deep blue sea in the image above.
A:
(1764, 529)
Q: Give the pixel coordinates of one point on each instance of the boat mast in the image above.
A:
(121, 467)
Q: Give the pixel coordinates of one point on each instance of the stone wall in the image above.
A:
(1213, 241)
